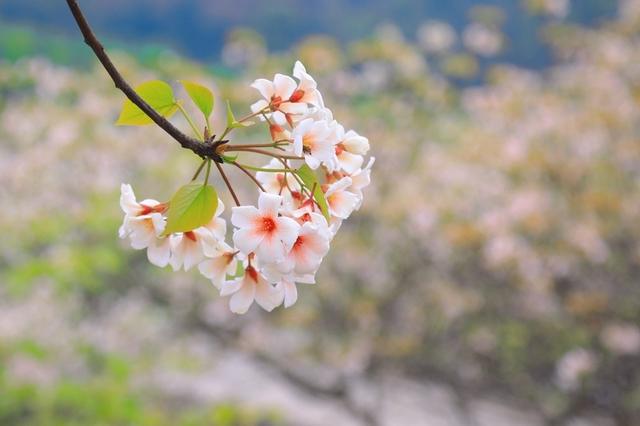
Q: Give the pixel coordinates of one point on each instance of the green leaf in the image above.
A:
(310, 180)
(157, 94)
(232, 123)
(191, 207)
(201, 96)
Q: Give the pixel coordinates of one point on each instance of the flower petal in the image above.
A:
(264, 86)
(284, 86)
(269, 204)
(241, 301)
(246, 240)
(159, 252)
(244, 216)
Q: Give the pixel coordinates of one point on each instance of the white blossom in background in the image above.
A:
(573, 367)
(482, 40)
(436, 37)
(621, 339)
(281, 242)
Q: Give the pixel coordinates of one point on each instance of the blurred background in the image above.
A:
(492, 276)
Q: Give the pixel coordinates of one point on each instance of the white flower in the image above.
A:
(252, 286)
(341, 202)
(217, 225)
(262, 231)
(221, 264)
(360, 180)
(349, 148)
(277, 182)
(287, 285)
(307, 90)
(159, 252)
(306, 254)
(190, 248)
(314, 140)
(277, 97)
(144, 224)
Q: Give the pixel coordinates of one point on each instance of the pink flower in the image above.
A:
(349, 148)
(262, 231)
(307, 90)
(278, 95)
(190, 248)
(314, 140)
(252, 286)
(306, 254)
(341, 202)
(144, 224)
(222, 263)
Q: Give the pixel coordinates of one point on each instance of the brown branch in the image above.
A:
(187, 142)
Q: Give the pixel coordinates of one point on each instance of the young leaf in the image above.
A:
(201, 96)
(191, 207)
(232, 123)
(310, 180)
(157, 94)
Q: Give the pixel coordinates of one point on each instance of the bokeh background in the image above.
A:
(492, 276)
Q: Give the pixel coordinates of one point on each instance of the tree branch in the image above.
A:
(204, 150)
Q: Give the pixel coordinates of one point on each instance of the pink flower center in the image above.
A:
(296, 96)
(299, 243)
(190, 235)
(253, 274)
(268, 225)
(339, 149)
(275, 102)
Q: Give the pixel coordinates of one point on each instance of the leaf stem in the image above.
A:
(206, 176)
(197, 173)
(190, 121)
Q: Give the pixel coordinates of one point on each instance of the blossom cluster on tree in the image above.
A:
(283, 240)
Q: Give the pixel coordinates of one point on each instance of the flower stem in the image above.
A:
(262, 152)
(252, 177)
(268, 170)
(226, 181)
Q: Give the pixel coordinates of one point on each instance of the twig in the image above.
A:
(187, 142)
(226, 181)
(248, 173)
(232, 148)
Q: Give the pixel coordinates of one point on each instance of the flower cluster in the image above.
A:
(313, 181)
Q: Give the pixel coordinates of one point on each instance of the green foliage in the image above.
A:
(158, 94)
(311, 181)
(192, 206)
(201, 96)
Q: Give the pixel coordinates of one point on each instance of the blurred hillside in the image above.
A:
(198, 28)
